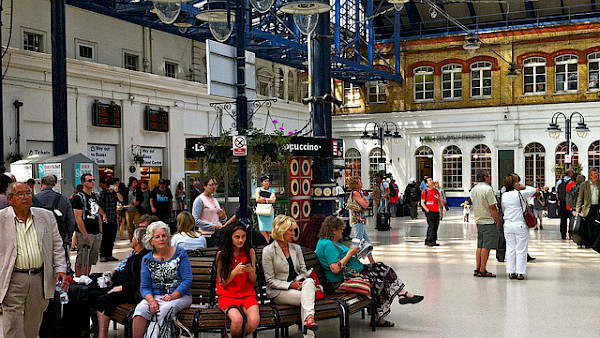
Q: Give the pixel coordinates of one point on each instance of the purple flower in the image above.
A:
(295, 130)
(275, 121)
(281, 128)
(291, 133)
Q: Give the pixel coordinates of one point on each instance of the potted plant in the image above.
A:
(138, 159)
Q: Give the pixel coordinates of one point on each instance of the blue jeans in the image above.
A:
(360, 231)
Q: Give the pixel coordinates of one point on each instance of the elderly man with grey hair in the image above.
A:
(486, 217)
(60, 206)
(588, 205)
(32, 263)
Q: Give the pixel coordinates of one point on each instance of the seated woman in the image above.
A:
(166, 280)
(125, 286)
(337, 260)
(236, 274)
(187, 237)
(286, 275)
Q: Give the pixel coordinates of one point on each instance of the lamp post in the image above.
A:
(379, 132)
(218, 15)
(554, 129)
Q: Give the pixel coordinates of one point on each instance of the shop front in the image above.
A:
(152, 169)
(105, 156)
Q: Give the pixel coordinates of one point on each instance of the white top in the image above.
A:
(339, 191)
(188, 243)
(513, 206)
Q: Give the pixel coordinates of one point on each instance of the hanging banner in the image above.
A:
(82, 168)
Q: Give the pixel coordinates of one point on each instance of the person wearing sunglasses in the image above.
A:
(89, 216)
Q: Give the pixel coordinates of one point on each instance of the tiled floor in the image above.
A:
(559, 298)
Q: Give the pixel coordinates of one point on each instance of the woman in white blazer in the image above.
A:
(285, 272)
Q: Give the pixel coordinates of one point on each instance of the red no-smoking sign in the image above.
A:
(240, 147)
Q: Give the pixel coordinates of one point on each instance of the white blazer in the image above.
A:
(276, 268)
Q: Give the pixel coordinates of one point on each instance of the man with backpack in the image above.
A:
(565, 214)
(60, 206)
(412, 195)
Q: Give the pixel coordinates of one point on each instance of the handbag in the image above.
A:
(352, 205)
(264, 209)
(169, 328)
(319, 294)
(355, 284)
(528, 215)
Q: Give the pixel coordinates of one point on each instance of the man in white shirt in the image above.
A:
(340, 193)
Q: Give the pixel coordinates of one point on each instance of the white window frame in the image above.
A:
(594, 155)
(291, 90)
(453, 71)
(88, 44)
(421, 75)
(139, 58)
(533, 63)
(264, 79)
(303, 88)
(481, 159)
(480, 69)
(351, 94)
(176, 64)
(378, 89)
(39, 33)
(568, 66)
(535, 157)
(352, 160)
(374, 162)
(452, 168)
(594, 75)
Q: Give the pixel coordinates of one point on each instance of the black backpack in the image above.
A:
(415, 193)
(571, 196)
(60, 220)
(393, 190)
(562, 190)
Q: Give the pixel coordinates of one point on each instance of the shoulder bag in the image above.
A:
(264, 209)
(352, 204)
(355, 283)
(528, 215)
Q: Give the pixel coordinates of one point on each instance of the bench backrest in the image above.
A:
(204, 276)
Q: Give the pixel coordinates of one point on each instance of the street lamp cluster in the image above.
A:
(554, 129)
(378, 132)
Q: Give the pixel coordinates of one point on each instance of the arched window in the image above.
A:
(452, 167)
(452, 82)
(424, 151)
(291, 88)
(265, 81)
(423, 83)
(481, 159)
(535, 161)
(377, 162)
(594, 155)
(567, 78)
(594, 71)
(424, 156)
(352, 163)
(280, 84)
(481, 79)
(303, 85)
(351, 94)
(561, 151)
(534, 75)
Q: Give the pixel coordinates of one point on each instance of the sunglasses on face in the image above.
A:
(91, 180)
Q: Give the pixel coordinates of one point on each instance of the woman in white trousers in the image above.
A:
(285, 271)
(516, 231)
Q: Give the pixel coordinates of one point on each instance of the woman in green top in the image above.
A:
(337, 260)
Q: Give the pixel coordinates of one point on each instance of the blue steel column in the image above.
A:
(370, 31)
(337, 27)
(59, 79)
(241, 101)
(322, 167)
(397, 40)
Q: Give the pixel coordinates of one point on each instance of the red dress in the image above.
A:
(240, 291)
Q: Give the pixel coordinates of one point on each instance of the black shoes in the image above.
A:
(103, 259)
(512, 276)
(520, 276)
(112, 259)
(529, 258)
(403, 299)
(432, 244)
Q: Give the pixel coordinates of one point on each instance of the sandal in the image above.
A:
(310, 325)
(404, 299)
(475, 273)
(387, 323)
(486, 274)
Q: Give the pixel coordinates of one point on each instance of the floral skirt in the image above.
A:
(385, 286)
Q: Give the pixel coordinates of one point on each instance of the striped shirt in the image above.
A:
(29, 253)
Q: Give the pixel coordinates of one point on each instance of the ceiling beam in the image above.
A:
(530, 8)
(413, 16)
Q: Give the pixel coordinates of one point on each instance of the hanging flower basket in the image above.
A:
(138, 159)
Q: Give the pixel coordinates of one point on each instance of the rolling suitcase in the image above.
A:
(383, 221)
(575, 229)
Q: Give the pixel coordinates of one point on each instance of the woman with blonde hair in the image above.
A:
(357, 217)
(187, 237)
(285, 272)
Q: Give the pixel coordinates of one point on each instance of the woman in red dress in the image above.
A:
(236, 274)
